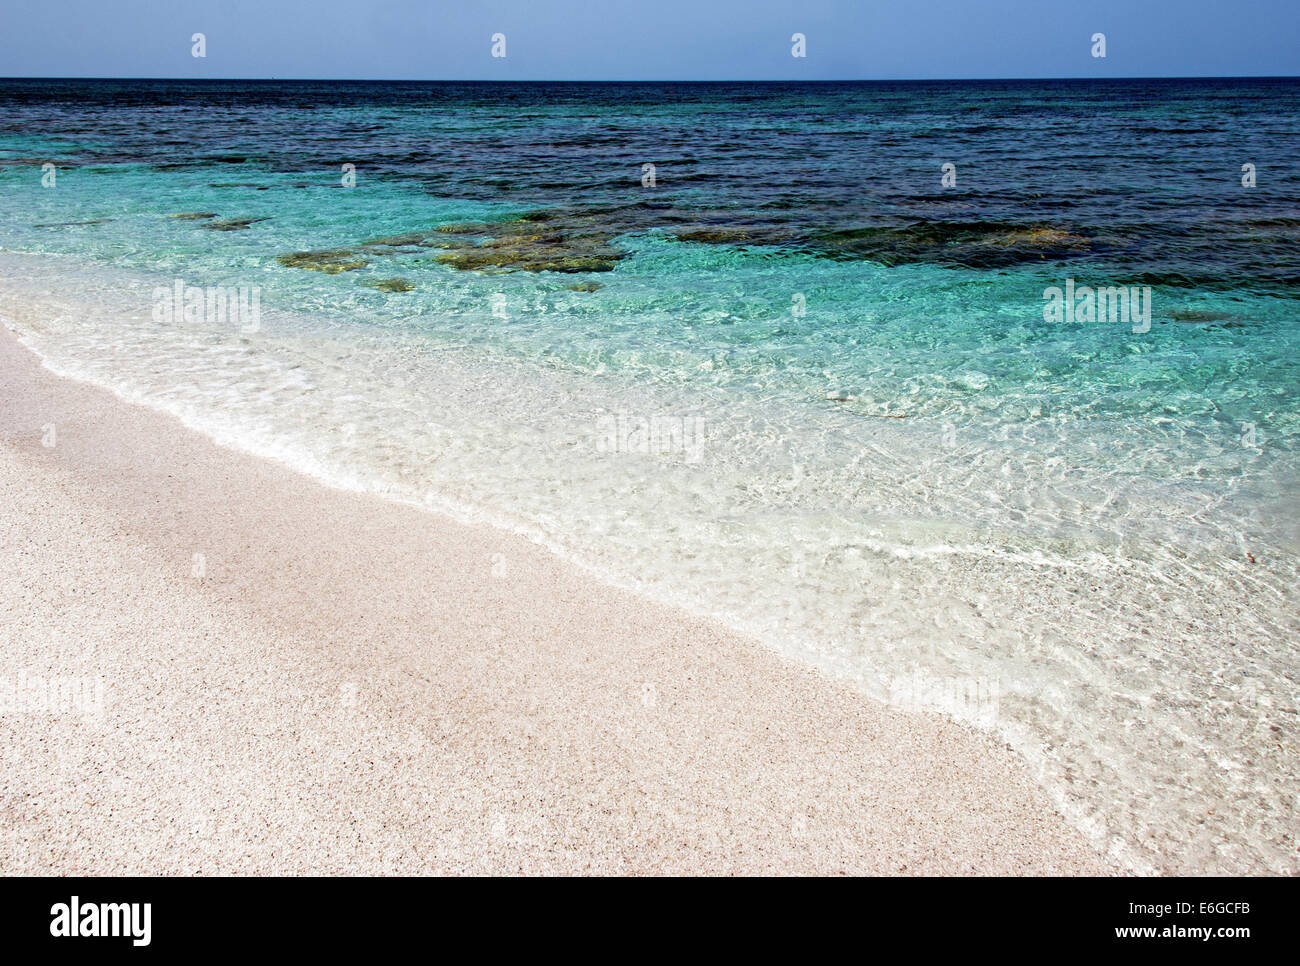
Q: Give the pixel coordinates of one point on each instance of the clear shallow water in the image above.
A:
(1078, 536)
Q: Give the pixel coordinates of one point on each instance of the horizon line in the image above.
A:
(645, 80)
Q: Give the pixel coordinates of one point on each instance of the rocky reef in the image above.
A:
(331, 261)
(233, 224)
(390, 284)
(213, 223)
(70, 224)
(541, 241)
(589, 240)
(968, 244)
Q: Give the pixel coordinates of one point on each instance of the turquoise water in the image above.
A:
(800, 386)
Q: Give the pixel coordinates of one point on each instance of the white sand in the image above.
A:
(355, 686)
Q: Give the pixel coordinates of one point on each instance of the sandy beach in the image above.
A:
(297, 679)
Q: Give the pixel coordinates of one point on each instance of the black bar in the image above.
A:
(374, 917)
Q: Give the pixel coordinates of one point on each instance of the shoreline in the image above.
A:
(302, 679)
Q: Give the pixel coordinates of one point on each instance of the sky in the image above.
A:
(649, 39)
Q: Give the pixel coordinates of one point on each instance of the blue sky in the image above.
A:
(649, 39)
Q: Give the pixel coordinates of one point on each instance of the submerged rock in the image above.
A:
(69, 224)
(194, 215)
(1198, 315)
(464, 228)
(567, 240)
(411, 239)
(331, 261)
(390, 284)
(233, 224)
(747, 234)
(970, 244)
(586, 287)
(518, 246)
(715, 236)
(575, 240)
(523, 258)
(1040, 237)
(1218, 320)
